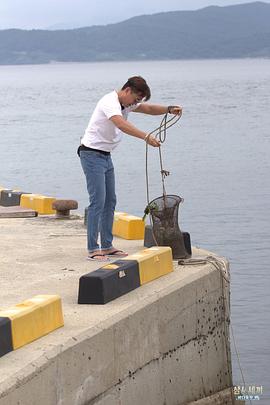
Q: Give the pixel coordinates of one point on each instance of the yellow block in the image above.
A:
(153, 262)
(38, 202)
(34, 318)
(28, 200)
(128, 226)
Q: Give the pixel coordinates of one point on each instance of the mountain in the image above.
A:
(213, 32)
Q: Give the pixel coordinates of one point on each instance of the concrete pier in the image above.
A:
(164, 343)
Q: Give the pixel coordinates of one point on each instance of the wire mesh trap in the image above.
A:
(164, 215)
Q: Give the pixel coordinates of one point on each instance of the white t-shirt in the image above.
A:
(101, 133)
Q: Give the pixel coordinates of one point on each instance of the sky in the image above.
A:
(55, 14)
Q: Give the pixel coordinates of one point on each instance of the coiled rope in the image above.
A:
(220, 265)
(160, 133)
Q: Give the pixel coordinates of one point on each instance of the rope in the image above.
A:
(220, 265)
(238, 359)
(160, 133)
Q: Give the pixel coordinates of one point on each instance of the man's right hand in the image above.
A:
(151, 140)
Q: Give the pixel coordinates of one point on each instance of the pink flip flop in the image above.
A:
(94, 257)
(117, 253)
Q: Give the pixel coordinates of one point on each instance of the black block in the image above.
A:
(149, 240)
(5, 336)
(2, 193)
(109, 282)
(187, 242)
(148, 237)
(10, 198)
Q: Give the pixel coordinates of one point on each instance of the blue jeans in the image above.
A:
(99, 173)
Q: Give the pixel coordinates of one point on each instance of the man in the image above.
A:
(102, 135)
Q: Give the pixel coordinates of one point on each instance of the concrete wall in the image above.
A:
(171, 348)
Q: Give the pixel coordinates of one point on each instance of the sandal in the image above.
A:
(117, 253)
(94, 257)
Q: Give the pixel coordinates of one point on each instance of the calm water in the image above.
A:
(219, 158)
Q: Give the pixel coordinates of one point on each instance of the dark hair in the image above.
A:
(139, 86)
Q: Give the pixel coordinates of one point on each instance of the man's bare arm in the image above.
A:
(130, 129)
(155, 109)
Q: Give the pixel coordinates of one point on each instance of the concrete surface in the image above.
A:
(163, 343)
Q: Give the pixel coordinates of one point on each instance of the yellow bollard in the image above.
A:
(37, 202)
(153, 262)
(128, 226)
(34, 318)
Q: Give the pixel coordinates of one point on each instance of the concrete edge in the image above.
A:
(44, 361)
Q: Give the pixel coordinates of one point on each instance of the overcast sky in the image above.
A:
(29, 14)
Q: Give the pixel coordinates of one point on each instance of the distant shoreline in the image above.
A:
(53, 63)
